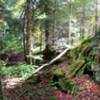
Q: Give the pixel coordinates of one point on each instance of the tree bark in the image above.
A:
(46, 28)
(28, 32)
(52, 61)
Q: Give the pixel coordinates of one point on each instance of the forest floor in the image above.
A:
(17, 89)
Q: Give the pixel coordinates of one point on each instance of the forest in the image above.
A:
(49, 49)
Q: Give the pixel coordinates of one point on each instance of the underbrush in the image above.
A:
(86, 59)
(19, 70)
(60, 81)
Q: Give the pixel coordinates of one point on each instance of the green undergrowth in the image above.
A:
(19, 70)
(62, 82)
(52, 98)
(87, 55)
(56, 81)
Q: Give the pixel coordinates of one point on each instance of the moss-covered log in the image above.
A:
(84, 56)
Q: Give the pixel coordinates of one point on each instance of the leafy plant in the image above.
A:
(40, 91)
(86, 56)
(67, 85)
(19, 70)
(52, 98)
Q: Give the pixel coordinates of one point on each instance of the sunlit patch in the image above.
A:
(12, 83)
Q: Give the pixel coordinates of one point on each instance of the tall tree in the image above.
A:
(28, 32)
(47, 22)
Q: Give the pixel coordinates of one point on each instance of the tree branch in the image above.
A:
(52, 61)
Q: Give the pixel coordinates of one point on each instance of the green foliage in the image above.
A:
(10, 41)
(61, 81)
(45, 90)
(18, 89)
(2, 63)
(4, 97)
(85, 56)
(52, 98)
(19, 70)
(36, 57)
(58, 72)
(41, 91)
(65, 84)
(97, 75)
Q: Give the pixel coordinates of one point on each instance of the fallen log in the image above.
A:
(53, 60)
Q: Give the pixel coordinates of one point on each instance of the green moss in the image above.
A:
(84, 56)
(52, 98)
(58, 72)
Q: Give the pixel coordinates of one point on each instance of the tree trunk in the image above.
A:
(28, 32)
(47, 33)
